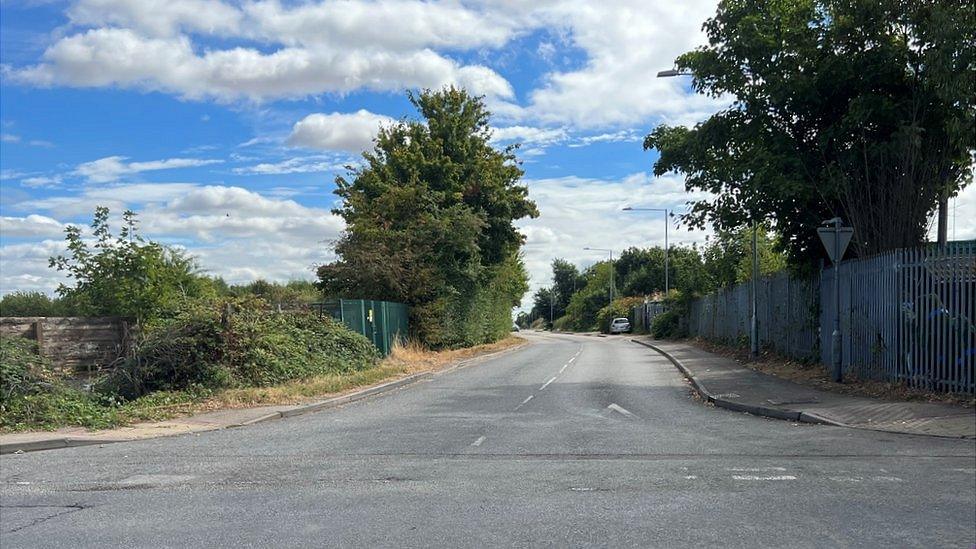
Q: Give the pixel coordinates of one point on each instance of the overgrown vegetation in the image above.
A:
(429, 223)
(203, 348)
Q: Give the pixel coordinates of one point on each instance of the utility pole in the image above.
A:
(611, 267)
(667, 248)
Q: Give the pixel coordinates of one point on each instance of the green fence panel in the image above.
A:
(382, 322)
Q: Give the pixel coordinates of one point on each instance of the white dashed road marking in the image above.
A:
(479, 441)
(756, 477)
(546, 384)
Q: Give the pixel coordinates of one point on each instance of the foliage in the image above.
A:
(125, 275)
(22, 370)
(236, 344)
(429, 222)
(640, 271)
(862, 109)
(728, 256)
(621, 307)
(293, 292)
(543, 305)
(21, 304)
(593, 296)
(673, 323)
(566, 281)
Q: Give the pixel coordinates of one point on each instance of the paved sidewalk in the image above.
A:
(730, 385)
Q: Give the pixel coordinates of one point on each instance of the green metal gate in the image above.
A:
(382, 322)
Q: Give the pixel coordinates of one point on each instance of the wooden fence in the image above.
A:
(73, 343)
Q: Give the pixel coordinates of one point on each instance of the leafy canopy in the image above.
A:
(859, 108)
(429, 216)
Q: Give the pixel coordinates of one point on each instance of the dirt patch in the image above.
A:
(816, 376)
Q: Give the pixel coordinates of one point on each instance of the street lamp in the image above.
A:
(611, 267)
(667, 260)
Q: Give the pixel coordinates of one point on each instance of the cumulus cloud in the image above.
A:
(352, 132)
(234, 232)
(580, 212)
(31, 226)
(112, 168)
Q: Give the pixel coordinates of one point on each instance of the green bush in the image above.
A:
(673, 323)
(33, 304)
(22, 370)
(236, 344)
(621, 307)
(563, 324)
(667, 325)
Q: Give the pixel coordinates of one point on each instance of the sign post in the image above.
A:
(835, 239)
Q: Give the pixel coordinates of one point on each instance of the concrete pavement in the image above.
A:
(570, 441)
(728, 384)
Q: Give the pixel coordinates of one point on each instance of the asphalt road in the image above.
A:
(571, 441)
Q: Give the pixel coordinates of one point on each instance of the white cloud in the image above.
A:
(293, 165)
(31, 226)
(41, 181)
(159, 17)
(626, 44)
(353, 132)
(529, 135)
(580, 212)
(9, 138)
(122, 57)
(235, 233)
(112, 168)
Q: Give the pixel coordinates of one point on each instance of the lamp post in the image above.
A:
(611, 267)
(667, 250)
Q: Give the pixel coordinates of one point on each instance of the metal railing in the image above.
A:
(907, 315)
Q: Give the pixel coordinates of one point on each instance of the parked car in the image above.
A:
(620, 326)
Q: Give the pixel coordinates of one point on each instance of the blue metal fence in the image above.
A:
(906, 315)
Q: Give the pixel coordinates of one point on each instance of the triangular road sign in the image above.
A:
(835, 240)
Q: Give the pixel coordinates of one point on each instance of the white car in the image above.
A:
(620, 326)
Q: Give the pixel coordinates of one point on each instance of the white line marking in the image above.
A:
(572, 359)
(524, 402)
(479, 441)
(755, 469)
(754, 477)
(619, 409)
(561, 370)
(546, 384)
(691, 477)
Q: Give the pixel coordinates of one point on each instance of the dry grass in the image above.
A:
(816, 376)
(407, 359)
(415, 358)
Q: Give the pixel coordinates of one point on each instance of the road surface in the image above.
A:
(570, 441)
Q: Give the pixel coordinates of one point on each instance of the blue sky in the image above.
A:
(224, 123)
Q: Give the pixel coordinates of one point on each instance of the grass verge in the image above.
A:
(74, 408)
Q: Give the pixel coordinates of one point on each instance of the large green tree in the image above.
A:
(862, 109)
(429, 222)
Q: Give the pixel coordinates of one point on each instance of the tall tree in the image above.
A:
(864, 109)
(566, 281)
(429, 221)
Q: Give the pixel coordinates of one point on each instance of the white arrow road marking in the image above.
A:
(620, 410)
(479, 441)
